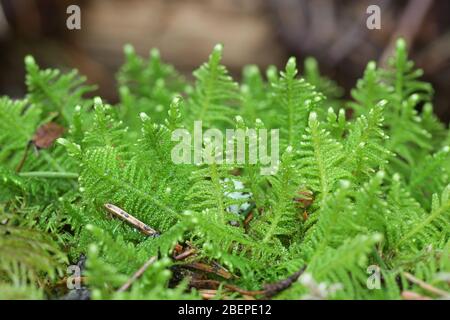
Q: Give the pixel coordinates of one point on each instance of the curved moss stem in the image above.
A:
(49, 174)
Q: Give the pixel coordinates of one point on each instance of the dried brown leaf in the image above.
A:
(47, 134)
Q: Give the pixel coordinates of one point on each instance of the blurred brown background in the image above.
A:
(262, 32)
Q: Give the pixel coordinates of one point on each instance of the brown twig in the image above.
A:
(244, 292)
(207, 294)
(177, 249)
(216, 269)
(137, 274)
(138, 224)
(214, 285)
(269, 289)
(247, 220)
(426, 286)
(204, 284)
(272, 289)
(185, 254)
(410, 295)
(305, 215)
(24, 157)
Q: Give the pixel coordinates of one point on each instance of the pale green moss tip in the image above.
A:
(218, 47)
(154, 53)
(128, 49)
(29, 60)
(372, 65)
(98, 101)
(292, 62)
(401, 44)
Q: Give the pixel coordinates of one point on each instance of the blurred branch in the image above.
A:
(323, 26)
(436, 54)
(292, 19)
(408, 26)
(352, 38)
(3, 22)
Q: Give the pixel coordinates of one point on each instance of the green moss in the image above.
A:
(377, 182)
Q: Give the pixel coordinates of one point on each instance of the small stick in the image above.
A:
(220, 271)
(410, 295)
(244, 292)
(137, 274)
(274, 288)
(210, 291)
(214, 284)
(305, 215)
(208, 294)
(24, 157)
(185, 254)
(268, 291)
(122, 214)
(247, 220)
(204, 284)
(426, 286)
(178, 249)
